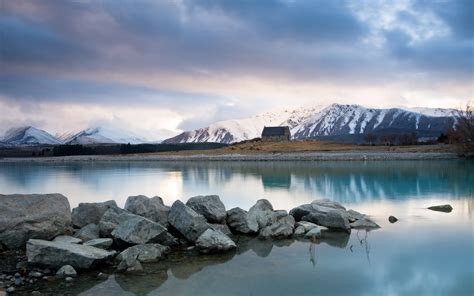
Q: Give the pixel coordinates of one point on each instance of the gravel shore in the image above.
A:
(301, 156)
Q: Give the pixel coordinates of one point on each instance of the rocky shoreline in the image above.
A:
(294, 156)
(48, 240)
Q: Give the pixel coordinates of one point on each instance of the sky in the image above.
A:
(160, 67)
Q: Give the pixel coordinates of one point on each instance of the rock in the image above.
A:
(101, 243)
(392, 219)
(282, 228)
(222, 228)
(214, 241)
(306, 225)
(189, 223)
(41, 216)
(314, 233)
(88, 232)
(87, 213)
(330, 219)
(239, 221)
(69, 279)
(57, 254)
(109, 221)
(150, 208)
(263, 213)
(327, 203)
(144, 253)
(67, 239)
(210, 206)
(36, 293)
(300, 231)
(365, 223)
(18, 280)
(300, 211)
(137, 230)
(35, 274)
(352, 216)
(66, 271)
(442, 208)
(11, 290)
(130, 265)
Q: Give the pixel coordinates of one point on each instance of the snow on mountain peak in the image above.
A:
(28, 135)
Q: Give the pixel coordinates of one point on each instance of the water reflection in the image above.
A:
(286, 184)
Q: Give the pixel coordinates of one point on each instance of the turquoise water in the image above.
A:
(424, 253)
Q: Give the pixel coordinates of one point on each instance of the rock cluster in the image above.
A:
(147, 230)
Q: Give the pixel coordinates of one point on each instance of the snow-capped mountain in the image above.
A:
(335, 120)
(28, 135)
(100, 135)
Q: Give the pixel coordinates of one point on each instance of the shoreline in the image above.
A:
(295, 156)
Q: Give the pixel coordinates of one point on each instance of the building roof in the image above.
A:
(271, 131)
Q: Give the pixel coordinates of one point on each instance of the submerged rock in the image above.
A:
(392, 219)
(300, 231)
(239, 221)
(41, 216)
(101, 243)
(137, 230)
(67, 239)
(365, 223)
(306, 225)
(87, 213)
(130, 265)
(210, 206)
(189, 223)
(314, 233)
(151, 208)
(66, 271)
(88, 232)
(57, 254)
(214, 241)
(442, 208)
(144, 253)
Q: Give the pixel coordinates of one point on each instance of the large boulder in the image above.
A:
(101, 243)
(137, 230)
(144, 253)
(331, 219)
(214, 241)
(151, 208)
(87, 213)
(210, 206)
(185, 220)
(88, 232)
(41, 216)
(239, 221)
(110, 221)
(300, 211)
(263, 213)
(58, 254)
(283, 227)
(222, 228)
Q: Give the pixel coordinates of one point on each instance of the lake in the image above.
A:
(424, 253)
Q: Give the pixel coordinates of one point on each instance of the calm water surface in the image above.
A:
(424, 253)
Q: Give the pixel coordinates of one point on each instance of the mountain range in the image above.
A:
(336, 121)
(348, 123)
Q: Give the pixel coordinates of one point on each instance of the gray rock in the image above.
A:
(189, 223)
(88, 232)
(327, 203)
(222, 228)
(263, 213)
(144, 253)
(365, 223)
(69, 279)
(300, 231)
(314, 233)
(87, 213)
(300, 211)
(354, 215)
(150, 208)
(57, 254)
(214, 241)
(130, 265)
(239, 221)
(35, 274)
(110, 221)
(282, 228)
(210, 206)
(137, 230)
(392, 219)
(41, 216)
(101, 243)
(11, 290)
(66, 271)
(306, 225)
(67, 239)
(442, 208)
(331, 219)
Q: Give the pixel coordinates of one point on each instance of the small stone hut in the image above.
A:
(276, 133)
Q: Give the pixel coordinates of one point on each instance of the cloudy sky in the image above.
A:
(159, 67)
